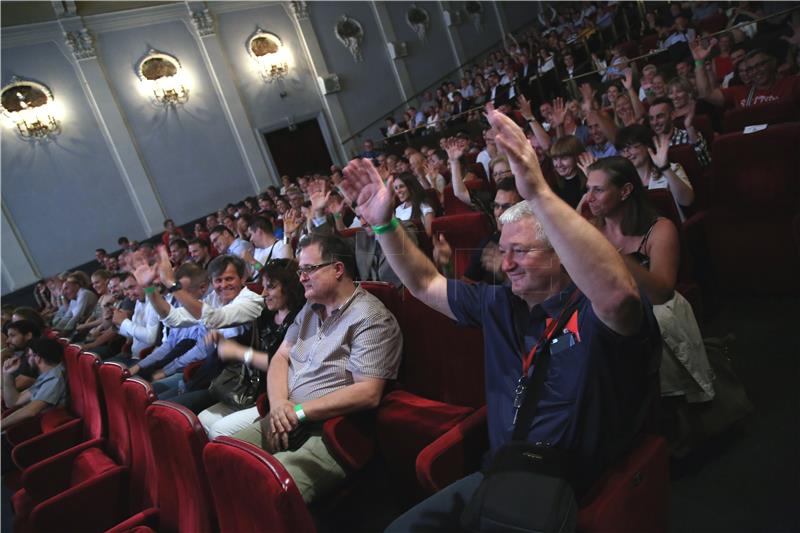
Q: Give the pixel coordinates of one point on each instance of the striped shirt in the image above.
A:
(360, 337)
(681, 136)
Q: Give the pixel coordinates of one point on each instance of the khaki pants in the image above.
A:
(312, 467)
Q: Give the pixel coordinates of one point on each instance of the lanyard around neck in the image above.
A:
(547, 334)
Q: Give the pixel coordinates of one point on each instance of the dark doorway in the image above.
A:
(299, 149)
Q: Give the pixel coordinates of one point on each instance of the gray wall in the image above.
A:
(121, 164)
(65, 196)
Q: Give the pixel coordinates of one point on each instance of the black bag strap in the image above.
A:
(536, 382)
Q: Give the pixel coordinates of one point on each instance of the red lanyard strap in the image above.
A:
(548, 333)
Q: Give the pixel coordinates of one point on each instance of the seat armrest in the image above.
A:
(351, 438)
(455, 454)
(48, 444)
(67, 510)
(147, 518)
(52, 475)
(26, 429)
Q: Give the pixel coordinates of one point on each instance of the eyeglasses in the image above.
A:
(757, 66)
(502, 207)
(310, 269)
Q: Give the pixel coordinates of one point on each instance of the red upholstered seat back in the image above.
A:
(441, 362)
(454, 206)
(93, 427)
(778, 112)
(178, 439)
(111, 376)
(387, 293)
(252, 490)
(144, 483)
(74, 382)
(712, 24)
(464, 232)
(684, 154)
(758, 172)
(633, 495)
(756, 197)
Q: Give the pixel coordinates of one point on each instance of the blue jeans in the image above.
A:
(169, 387)
(440, 512)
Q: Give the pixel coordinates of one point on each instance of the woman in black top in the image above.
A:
(283, 298)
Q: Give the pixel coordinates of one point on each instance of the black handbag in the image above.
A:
(527, 487)
(238, 385)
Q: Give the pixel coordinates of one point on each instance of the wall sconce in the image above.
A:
(269, 54)
(30, 108)
(162, 76)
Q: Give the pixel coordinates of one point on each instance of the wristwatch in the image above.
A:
(175, 287)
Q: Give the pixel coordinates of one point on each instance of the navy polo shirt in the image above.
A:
(595, 394)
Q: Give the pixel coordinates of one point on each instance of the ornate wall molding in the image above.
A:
(300, 9)
(350, 33)
(203, 22)
(81, 43)
(418, 20)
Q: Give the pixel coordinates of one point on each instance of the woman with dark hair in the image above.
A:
(649, 156)
(411, 198)
(570, 180)
(283, 298)
(618, 204)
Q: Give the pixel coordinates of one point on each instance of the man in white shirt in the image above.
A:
(230, 304)
(79, 303)
(268, 246)
(142, 326)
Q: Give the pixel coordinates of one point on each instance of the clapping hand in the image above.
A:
(455, 148)
(525, 107)
(700, 52)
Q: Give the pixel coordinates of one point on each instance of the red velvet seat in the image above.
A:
(252, 490)
(778, 112)
(143, 487)
(349, 232)
(178, 439)
(712, 24)
(749, 223)
(94, 471)
(440, 383)
(66, 420)
(633, 495)
(454, 206)
(699, 176)
(464, 233)
(59, 432)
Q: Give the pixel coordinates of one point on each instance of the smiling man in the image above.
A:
(336, 358)
(598, 388)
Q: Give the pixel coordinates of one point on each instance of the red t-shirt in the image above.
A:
(788, 87)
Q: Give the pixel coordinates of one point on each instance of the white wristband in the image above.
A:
(247, 357)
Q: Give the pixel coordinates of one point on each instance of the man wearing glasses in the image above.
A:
(760, 66)
(336, 358)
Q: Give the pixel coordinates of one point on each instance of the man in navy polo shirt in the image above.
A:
(597, 391)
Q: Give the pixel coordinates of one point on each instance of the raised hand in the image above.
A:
(363, 186)
(511, 141)
(688, 121)
(336, 204)
(627, 82)
(292, 220)
(455, 148)
(700, 52)
(319, 195)
(165, 271)
(525, 107)
(559, 112)
(442, 251)
(585, 160)
(659, 157)
(144, 273)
